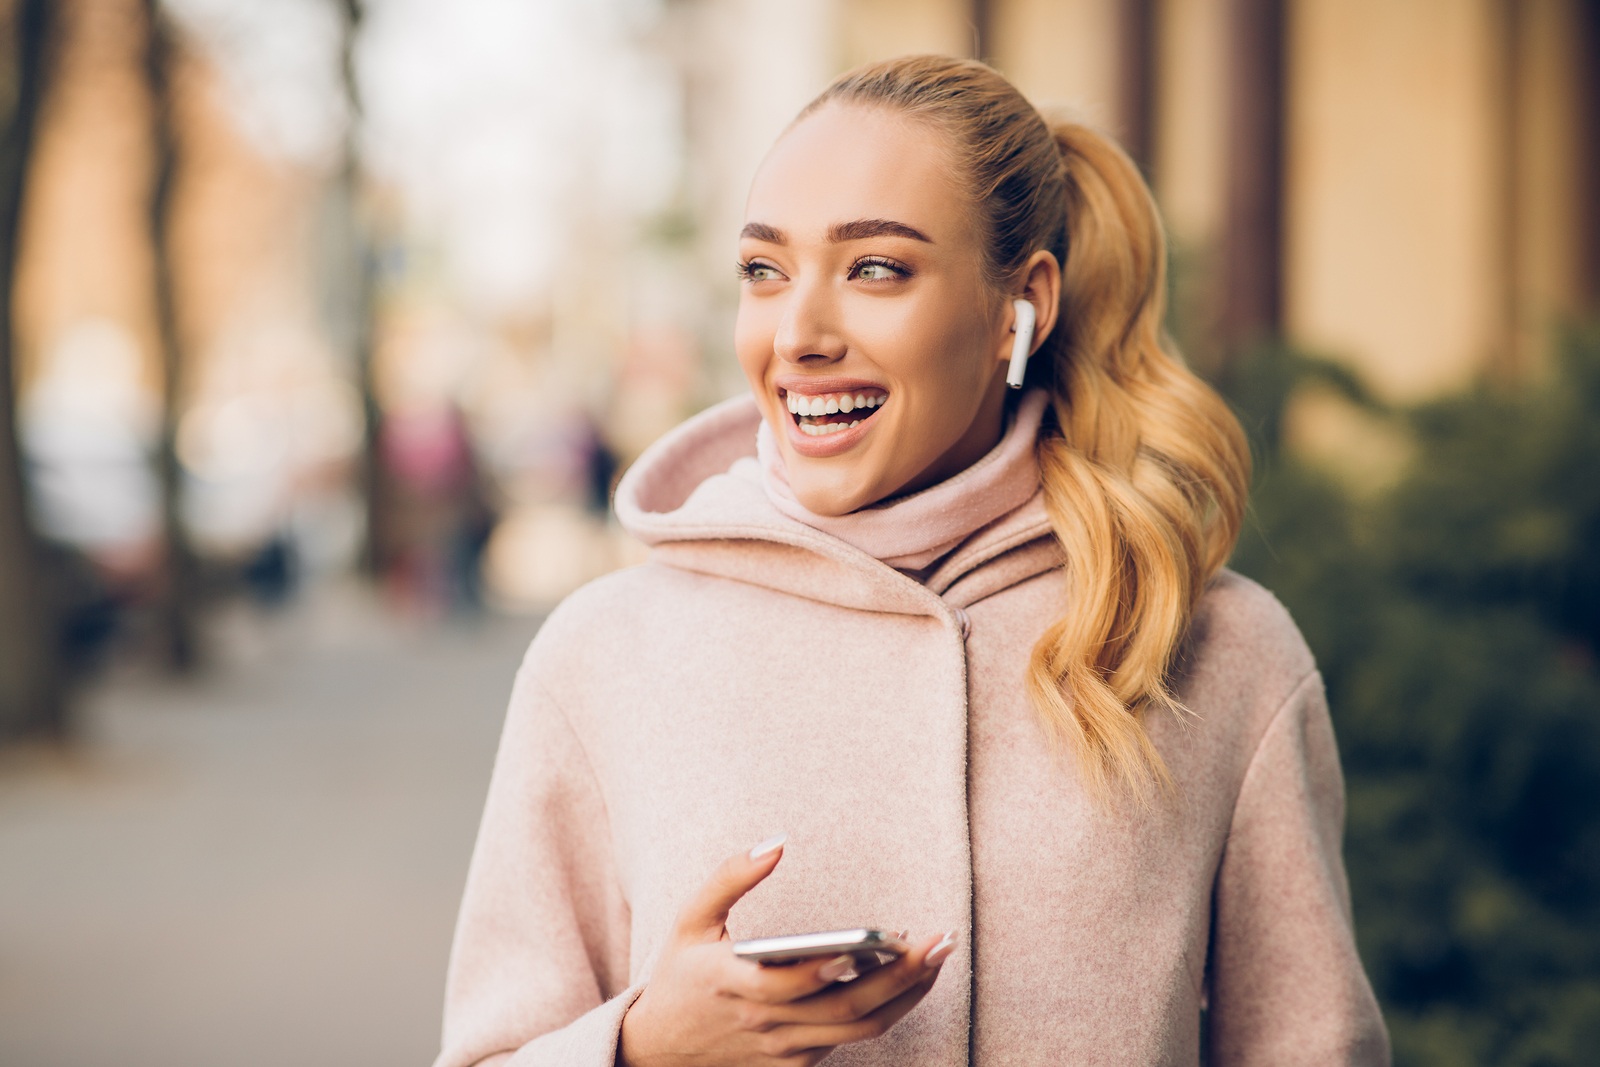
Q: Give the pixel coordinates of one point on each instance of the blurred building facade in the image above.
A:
(1408, 188)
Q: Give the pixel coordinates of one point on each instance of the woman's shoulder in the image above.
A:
(1240, 608)
(1242, 637)
(603, 605)
(603, 623)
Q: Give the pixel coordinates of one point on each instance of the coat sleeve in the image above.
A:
(539, 963)
(1287, 986)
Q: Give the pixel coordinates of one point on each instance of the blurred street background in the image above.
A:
(260, 867)
(327, 325)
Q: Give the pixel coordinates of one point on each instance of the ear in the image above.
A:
(1041, 287)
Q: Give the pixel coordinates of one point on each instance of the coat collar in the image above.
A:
(696, 493)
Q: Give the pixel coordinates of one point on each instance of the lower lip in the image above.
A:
(831, 444)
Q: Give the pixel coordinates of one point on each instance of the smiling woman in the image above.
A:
(972, 648)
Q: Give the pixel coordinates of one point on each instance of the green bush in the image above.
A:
(1456, 618)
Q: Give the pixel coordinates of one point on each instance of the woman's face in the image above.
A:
(868, 333)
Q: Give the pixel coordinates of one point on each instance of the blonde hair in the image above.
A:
(1144, 468)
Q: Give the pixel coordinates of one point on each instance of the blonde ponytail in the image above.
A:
(1144, 468)
(1145, 474)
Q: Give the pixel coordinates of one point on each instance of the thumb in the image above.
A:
(706, 914)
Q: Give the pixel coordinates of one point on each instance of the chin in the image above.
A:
(832, 500)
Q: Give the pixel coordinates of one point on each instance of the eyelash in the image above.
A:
(878, 261)
(746, 269)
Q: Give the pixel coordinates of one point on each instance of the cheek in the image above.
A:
(752, 340)
(943, 356)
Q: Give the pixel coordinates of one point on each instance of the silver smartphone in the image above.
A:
(871, 948)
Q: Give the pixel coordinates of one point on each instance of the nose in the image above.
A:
(808, 333)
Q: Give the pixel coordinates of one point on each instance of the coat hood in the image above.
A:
(695, 497)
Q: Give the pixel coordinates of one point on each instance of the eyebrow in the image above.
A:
(840, 232)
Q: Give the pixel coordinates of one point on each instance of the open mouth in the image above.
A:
(822, 414)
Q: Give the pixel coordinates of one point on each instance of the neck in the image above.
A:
(917, 527)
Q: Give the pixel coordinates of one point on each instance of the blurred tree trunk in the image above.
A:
(980, 15)
(1136, 80)
(1252, 242)
(178, 605)
(1588, 161)
(32, 696)
(362, 262)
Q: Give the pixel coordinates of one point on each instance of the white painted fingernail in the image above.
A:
(938, 952)
(836, 968)
(769, 846)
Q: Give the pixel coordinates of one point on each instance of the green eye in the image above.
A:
(875, 269)
(757, 272)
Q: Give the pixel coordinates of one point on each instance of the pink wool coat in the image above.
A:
(758, 676)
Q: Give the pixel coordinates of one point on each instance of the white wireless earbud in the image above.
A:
(1021, 344)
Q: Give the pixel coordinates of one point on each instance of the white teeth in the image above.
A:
(830, 404)
(823, 429)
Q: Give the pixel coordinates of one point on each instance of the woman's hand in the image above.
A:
(706, 1006)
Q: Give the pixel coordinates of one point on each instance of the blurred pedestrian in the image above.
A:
(442, 515)
(971, 648)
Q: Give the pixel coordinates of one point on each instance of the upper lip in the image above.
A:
(805, 385)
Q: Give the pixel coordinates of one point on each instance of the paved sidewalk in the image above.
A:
(258, 868)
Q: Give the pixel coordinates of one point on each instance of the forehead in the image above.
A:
(846, 162)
